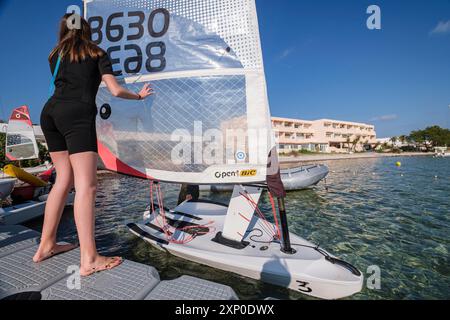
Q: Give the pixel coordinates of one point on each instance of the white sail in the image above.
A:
(209, 120)
(20, 139)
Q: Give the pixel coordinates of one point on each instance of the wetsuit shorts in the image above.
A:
(69, 126)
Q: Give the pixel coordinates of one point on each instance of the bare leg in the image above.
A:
(54, 207)
(85, 173)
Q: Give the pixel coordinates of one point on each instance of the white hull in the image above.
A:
(307, 271)
(39, 169)
(6, 187)
(27, 211)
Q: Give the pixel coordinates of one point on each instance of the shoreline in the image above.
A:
(331, 157)
(337, 156)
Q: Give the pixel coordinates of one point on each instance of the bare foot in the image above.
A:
(100, 264)
(44, 253)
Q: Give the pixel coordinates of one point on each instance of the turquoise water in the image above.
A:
(372, 214)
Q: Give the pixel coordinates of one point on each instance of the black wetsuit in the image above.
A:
(68, 118)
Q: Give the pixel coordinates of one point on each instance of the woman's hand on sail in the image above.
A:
(146, 91)
(118, 91)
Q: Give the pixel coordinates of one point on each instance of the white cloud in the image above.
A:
(442, 28)
(387, 117)
(286, 53)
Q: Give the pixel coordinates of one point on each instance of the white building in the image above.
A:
(323, 135)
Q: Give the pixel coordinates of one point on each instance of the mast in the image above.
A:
(276, 188)
(286, 244)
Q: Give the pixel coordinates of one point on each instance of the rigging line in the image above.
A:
(317, 248)
(167, 228)
(260, 214)
(152, 204)
(274, 212)
(266, 228)
(259, 236)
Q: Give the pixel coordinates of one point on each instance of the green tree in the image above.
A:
(435, 135)
(393, 140)
(348, 142)
(355, 142)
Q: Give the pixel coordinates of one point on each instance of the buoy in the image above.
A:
(398, 164)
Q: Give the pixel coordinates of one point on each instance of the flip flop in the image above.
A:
(114, 262)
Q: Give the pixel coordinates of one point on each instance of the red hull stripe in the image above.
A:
(113, 164)
(10, 157)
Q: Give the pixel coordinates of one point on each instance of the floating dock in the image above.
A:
(22, 279)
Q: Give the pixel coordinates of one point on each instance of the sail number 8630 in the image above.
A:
(115, 32)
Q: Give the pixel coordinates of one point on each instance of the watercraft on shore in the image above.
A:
(29, 195)
(39, 169)
(298, 178)
(26, 189)
(208, 123)
(6, 187)
(29, 186)
(27, 210)
(20, 138)
(441, 152)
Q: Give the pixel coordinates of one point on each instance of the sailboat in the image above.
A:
(21, 143)
(208, 123)
(28, 188)
(20, 139)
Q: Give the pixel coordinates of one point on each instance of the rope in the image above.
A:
(270, 228)
(168, 230)
(274, 212)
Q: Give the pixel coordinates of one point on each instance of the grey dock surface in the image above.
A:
(53, 279)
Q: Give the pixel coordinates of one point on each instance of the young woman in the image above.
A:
(68, 123)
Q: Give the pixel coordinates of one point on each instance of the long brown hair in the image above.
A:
(75, 43)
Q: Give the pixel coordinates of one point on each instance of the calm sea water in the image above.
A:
(372, 214)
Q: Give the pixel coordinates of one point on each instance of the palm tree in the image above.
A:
(355, 142)
(348, 141)
(393, 140)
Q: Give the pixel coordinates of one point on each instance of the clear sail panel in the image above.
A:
(20, 139)
(208, 121)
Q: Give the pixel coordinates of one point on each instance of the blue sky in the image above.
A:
(321, 60)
